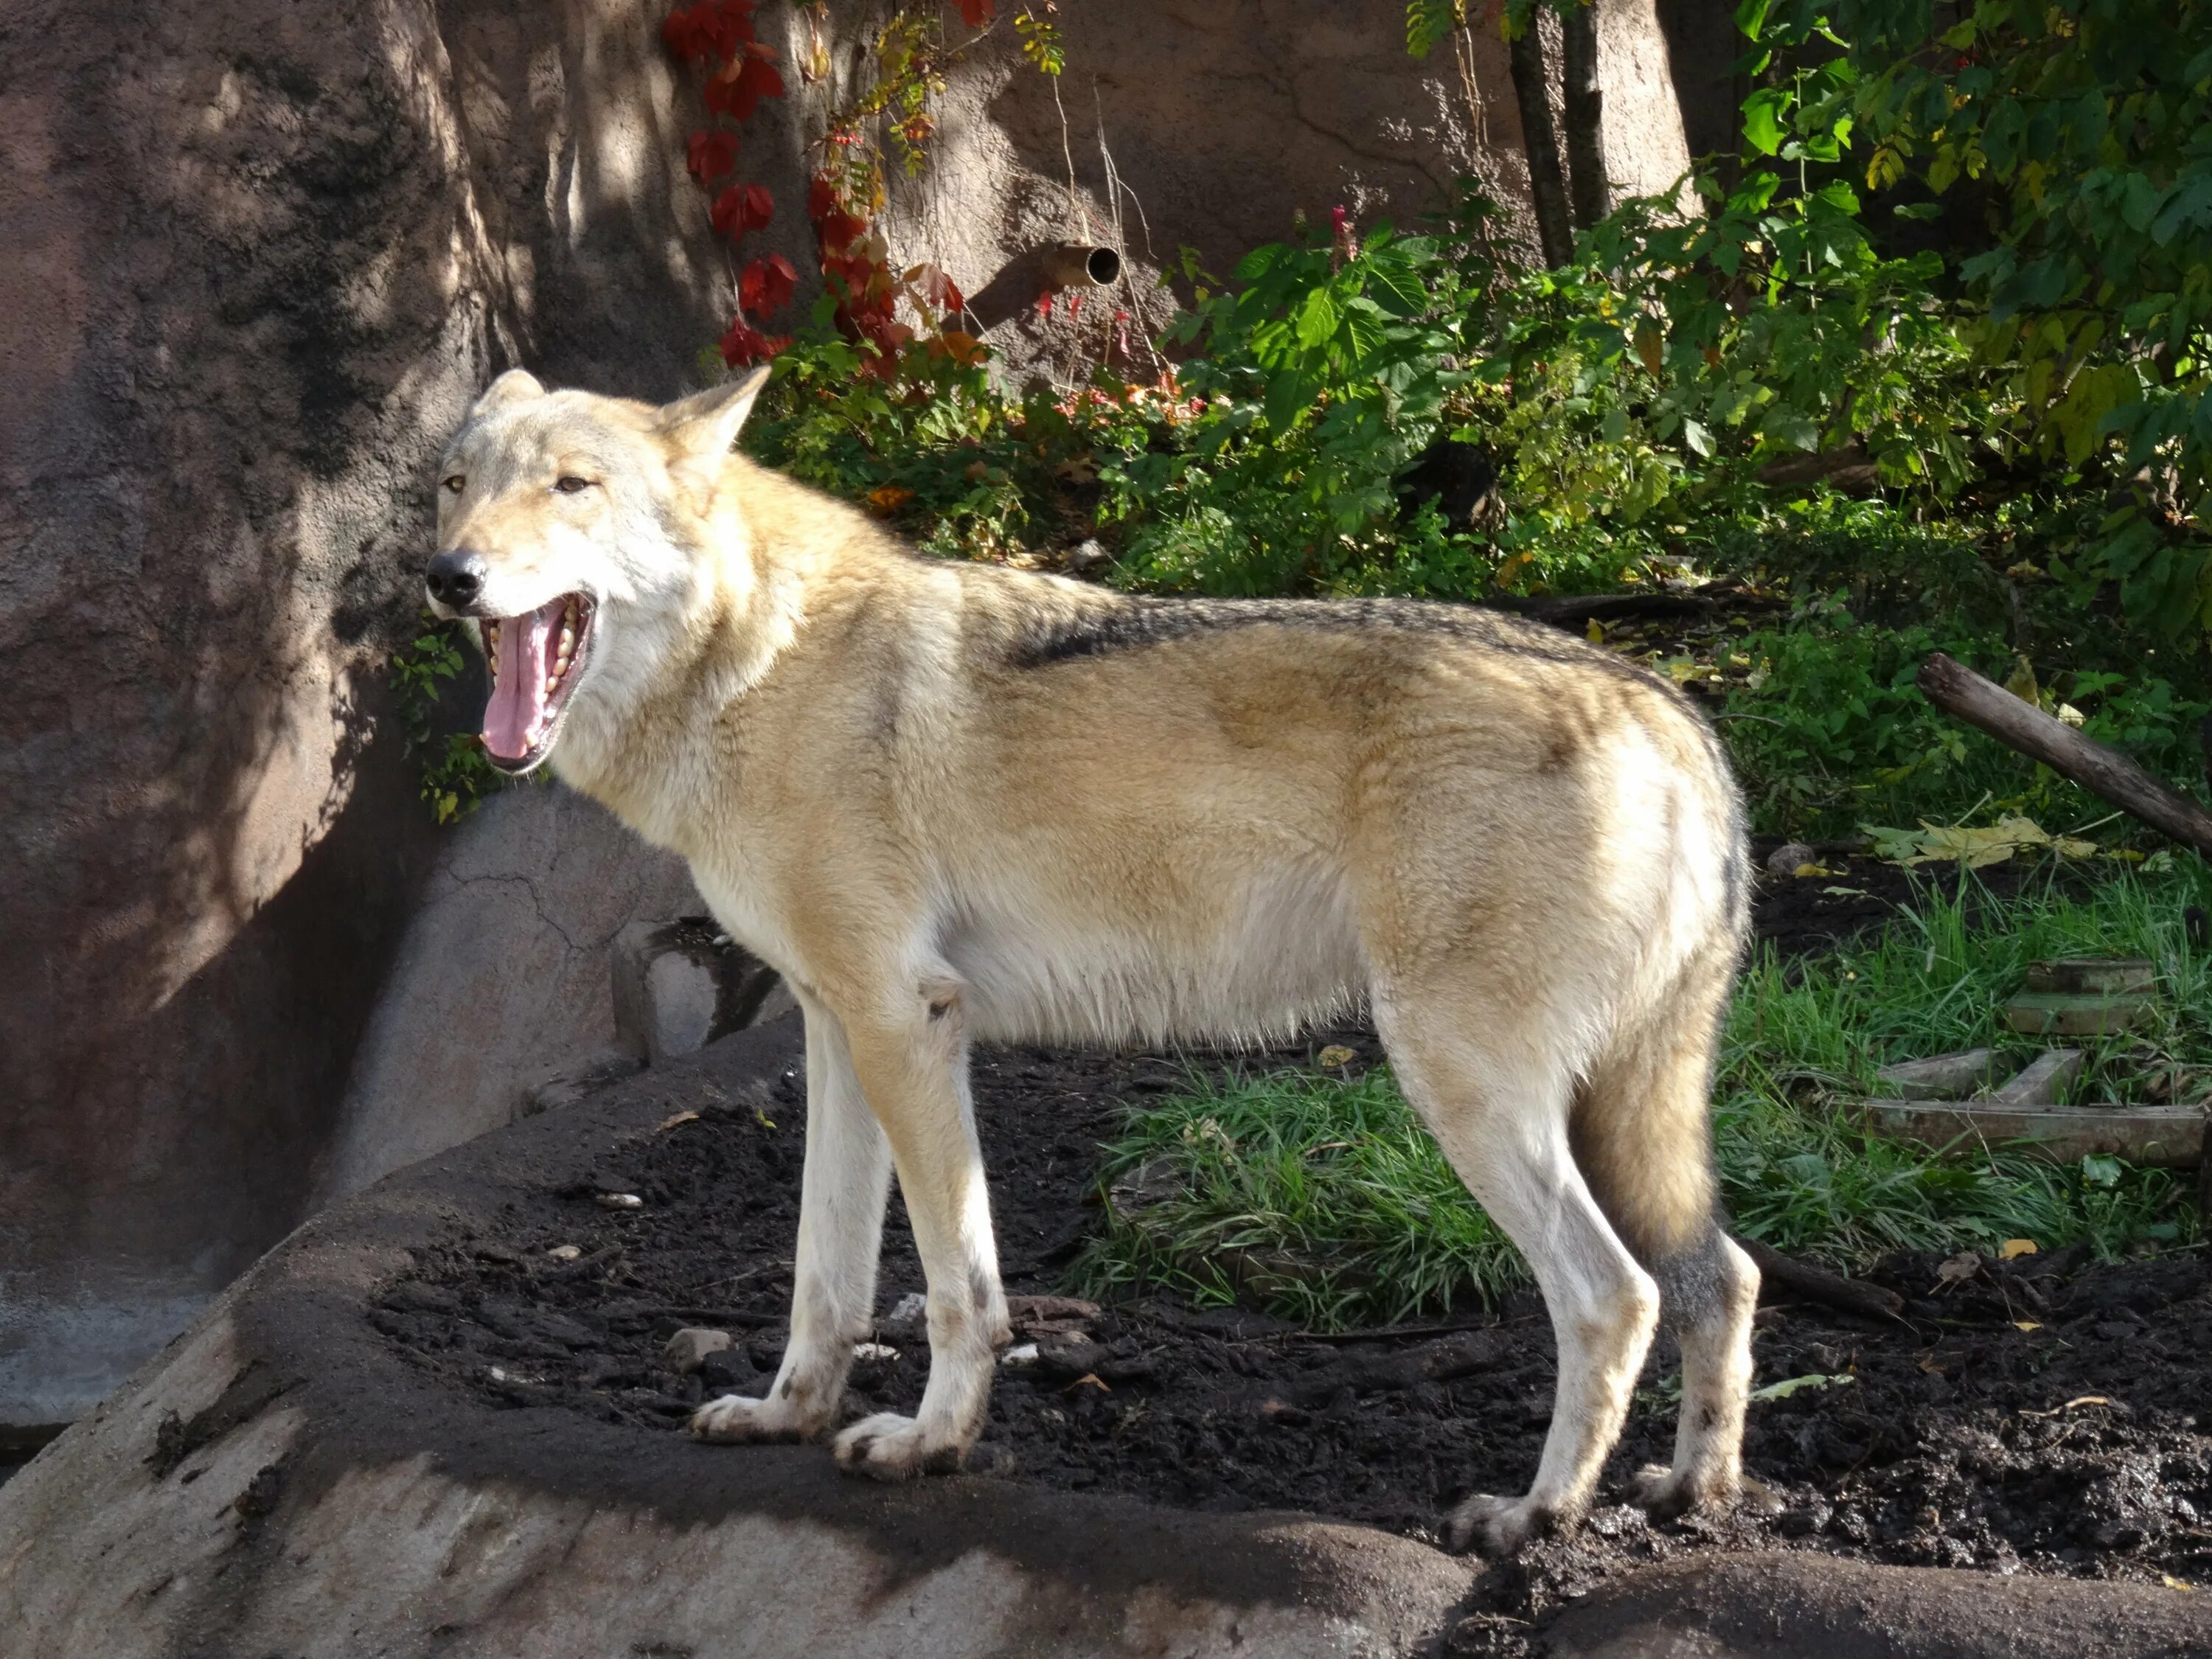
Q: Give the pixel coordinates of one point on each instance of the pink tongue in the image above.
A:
(526, 645)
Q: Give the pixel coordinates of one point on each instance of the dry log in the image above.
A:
(1780, 1273)
(2020, 724)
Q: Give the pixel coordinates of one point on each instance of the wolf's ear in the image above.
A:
(515, 386)
(703, 426)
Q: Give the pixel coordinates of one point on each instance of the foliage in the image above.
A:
(1322, 1198)
(909, 58)
(455, 773)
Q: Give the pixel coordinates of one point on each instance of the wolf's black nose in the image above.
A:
(456, 577)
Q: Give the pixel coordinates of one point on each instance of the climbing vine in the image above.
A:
(908, 58)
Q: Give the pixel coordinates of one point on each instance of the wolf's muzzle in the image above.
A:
(456, 578)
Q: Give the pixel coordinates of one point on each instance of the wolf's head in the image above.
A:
(572, 529)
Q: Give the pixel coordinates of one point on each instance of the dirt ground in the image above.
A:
(2049, 1415)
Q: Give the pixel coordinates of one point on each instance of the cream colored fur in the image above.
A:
(954, 803)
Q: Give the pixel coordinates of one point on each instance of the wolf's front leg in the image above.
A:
(916, 1072)
(841, 1222)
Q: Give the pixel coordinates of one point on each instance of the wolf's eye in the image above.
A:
(569, 483)
(457, 483)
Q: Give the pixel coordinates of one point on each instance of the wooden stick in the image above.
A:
(2018, 723)
(1780, 1273)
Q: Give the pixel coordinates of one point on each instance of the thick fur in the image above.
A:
(954, 803)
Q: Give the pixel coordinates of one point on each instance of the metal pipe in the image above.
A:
(1073, 265)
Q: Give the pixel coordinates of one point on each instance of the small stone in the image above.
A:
(1784, 860)
(1020, 1357)
(564, 1252)
(725, 1371)
(1087, 553)
(1153, 1181)
(873, 1353)
(908, 1321)
(688, 1349)
(619, 1202)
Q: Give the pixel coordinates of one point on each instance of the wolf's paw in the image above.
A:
(1667, 1494)
(894, 1447)
(734, 1418)
(1496, 1526)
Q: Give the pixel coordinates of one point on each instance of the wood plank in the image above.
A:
(2170, 1135)
(2066, 1013)
(2044, 1082)
(1943, 1077)
(2109, 975)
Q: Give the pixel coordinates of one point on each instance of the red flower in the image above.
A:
(766, 285)
(742, 208)
(711, 154)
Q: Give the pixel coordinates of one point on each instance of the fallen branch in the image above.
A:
(1438, 1362)
(2020, 724)
(1777, 1272)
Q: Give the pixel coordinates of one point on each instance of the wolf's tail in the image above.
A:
(1641, 1129)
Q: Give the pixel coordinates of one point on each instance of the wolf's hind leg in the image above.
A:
(1503, 1123)
(841, 1219)
(916, 1073)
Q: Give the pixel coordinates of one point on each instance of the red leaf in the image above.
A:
(821, 199)
(745, 344)
(679, 33)
(766, 284)
(756, 79)
(712, 153)
(839, 231)
(976, 13)
(742, 208)
(726, 27)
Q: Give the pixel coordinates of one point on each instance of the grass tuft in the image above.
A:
(1325, 1201)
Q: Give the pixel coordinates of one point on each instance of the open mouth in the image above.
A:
(536, 660)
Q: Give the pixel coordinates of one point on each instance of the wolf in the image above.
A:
(956, 802)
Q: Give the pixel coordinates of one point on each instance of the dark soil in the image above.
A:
(2080, 1445)
(2049, 1414)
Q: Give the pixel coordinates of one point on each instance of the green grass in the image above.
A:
(1325, 1201)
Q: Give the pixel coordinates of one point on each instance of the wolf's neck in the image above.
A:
(658, 756)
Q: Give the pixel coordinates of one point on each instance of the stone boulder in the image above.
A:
(502, 979)
(260, 258)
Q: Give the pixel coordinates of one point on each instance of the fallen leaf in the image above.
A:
(671, 1122)
(889, 498)
(1595, 632)
(1788, 1386)
(2171, 1583)
(2079, 1400)
(1335, 1056)
(2013, 1248)
(1812, 870)
(1958, 1268)
(1090, 1380)
(2026, 1325)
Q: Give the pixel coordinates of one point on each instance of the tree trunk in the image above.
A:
(1958, 690)
(1532, 90)
(1593, 191)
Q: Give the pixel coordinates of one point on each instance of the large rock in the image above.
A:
(281, 1481)
(258, 258)
(502, 979)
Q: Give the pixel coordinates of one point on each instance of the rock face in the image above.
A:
(258, 258)
(501, 981)
(1215, 126)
